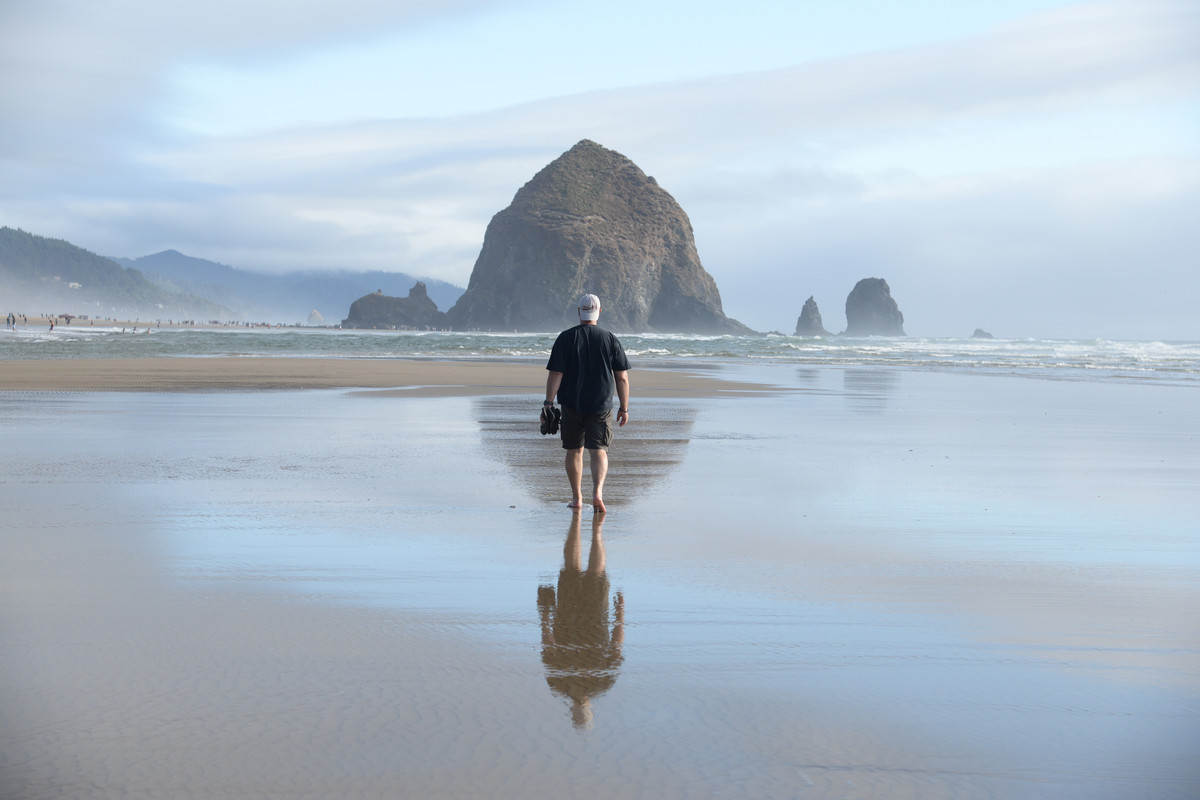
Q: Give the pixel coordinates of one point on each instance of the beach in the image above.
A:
(408, 376)
(327, 578)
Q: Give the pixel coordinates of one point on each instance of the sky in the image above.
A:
(1029, 167)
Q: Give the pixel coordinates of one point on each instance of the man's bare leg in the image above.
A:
(575, 477)
(599, 468)
(596, 557)
(572, 551)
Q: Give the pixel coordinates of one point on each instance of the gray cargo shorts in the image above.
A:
(593, 431)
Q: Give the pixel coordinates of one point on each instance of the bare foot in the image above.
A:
(575, 504)
(598, 505)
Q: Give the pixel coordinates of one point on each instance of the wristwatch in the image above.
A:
(547, 402)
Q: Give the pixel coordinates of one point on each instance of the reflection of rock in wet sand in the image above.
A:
(581, 655)
(643, 452)
(868, 390)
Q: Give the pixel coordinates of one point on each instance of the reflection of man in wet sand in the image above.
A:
(587, 365)
(581, 656)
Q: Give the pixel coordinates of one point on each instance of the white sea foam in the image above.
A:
(1100, 359)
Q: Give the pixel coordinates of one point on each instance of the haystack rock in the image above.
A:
(377, 311)
(809, 323)
(871, 311)
(591, 221)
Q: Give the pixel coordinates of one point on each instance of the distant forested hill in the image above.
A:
(288, 297)
(40, 275)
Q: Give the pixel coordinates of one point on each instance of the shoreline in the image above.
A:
(390, 376)
(42, 321)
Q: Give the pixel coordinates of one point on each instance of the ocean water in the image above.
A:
(1172, 362)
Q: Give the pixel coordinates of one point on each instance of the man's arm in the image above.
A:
(553, 381)
(621, 378)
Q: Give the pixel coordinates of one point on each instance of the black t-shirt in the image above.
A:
(587, 356)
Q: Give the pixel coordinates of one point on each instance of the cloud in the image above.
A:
(80, 78)
(798, 180)
(1086, 251)
(1067, 59)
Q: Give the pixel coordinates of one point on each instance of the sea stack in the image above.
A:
(809, 323)
(871, 311)
(591, 221)
(377, 311)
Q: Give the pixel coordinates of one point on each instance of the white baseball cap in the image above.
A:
(589, 307)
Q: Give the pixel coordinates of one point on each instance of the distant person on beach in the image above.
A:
(12, 321)
(581, 654)
(587, 365)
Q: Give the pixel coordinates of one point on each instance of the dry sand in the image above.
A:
(417, 377)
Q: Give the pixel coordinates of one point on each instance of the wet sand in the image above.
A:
(870, 584)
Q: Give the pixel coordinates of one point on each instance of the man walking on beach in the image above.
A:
(587, 364)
